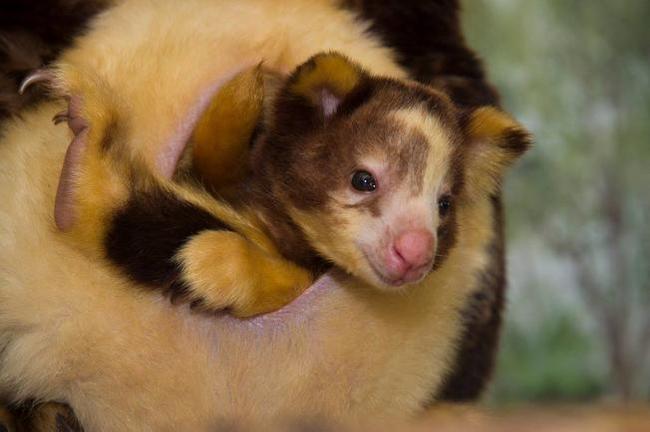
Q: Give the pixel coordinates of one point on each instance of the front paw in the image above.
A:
(223, 270)
(280, 284)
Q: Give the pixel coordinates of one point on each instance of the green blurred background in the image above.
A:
(577, 73)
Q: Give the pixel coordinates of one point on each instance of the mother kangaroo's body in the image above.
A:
(73, 330)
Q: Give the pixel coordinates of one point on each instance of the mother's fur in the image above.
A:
(153, 366)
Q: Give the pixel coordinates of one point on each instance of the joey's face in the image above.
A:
(395, 206)
(387, 210)
(370, 168)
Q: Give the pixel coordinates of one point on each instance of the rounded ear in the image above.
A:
(220, 141)
(317, 89)
(495, 142)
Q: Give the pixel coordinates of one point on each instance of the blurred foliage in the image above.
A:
(537, 373)
(577, 74)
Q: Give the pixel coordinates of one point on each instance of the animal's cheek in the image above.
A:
(343, 227)
(365, 232)
(350, 238)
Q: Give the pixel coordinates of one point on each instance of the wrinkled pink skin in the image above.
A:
(296, 312)
(64, 205)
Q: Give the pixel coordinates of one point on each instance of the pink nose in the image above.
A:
(415, 247)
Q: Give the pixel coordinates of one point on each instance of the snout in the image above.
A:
(414, 248)
(410, 257)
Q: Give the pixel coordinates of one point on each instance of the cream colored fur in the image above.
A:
(72, 329)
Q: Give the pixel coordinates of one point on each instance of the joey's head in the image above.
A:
(373, 170)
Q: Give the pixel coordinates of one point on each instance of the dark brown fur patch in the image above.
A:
(148, 232)
(412, 159)
(287, 236)
(46, 417)
(427, 36)
(516, 141)
(446, 238)
(482, 317)
(111, 135)
(6, 419)
(32, 33)
(67, 423)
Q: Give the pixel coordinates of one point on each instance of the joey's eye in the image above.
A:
(444, 205)
(364, 181)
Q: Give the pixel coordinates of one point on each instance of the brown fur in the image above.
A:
(47, 417)
(428, 38)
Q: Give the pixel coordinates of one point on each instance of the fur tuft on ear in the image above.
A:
(325, 80)
(495, 141)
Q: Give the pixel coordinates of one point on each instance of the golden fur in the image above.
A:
(226, 270)
(221, 137)
(73, 329)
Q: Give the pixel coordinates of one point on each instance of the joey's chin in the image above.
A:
(411, 277)
(382, 279)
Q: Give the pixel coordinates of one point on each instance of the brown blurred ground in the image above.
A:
(458, 418)
(593, 418)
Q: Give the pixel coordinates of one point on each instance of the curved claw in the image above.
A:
(37, 76)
